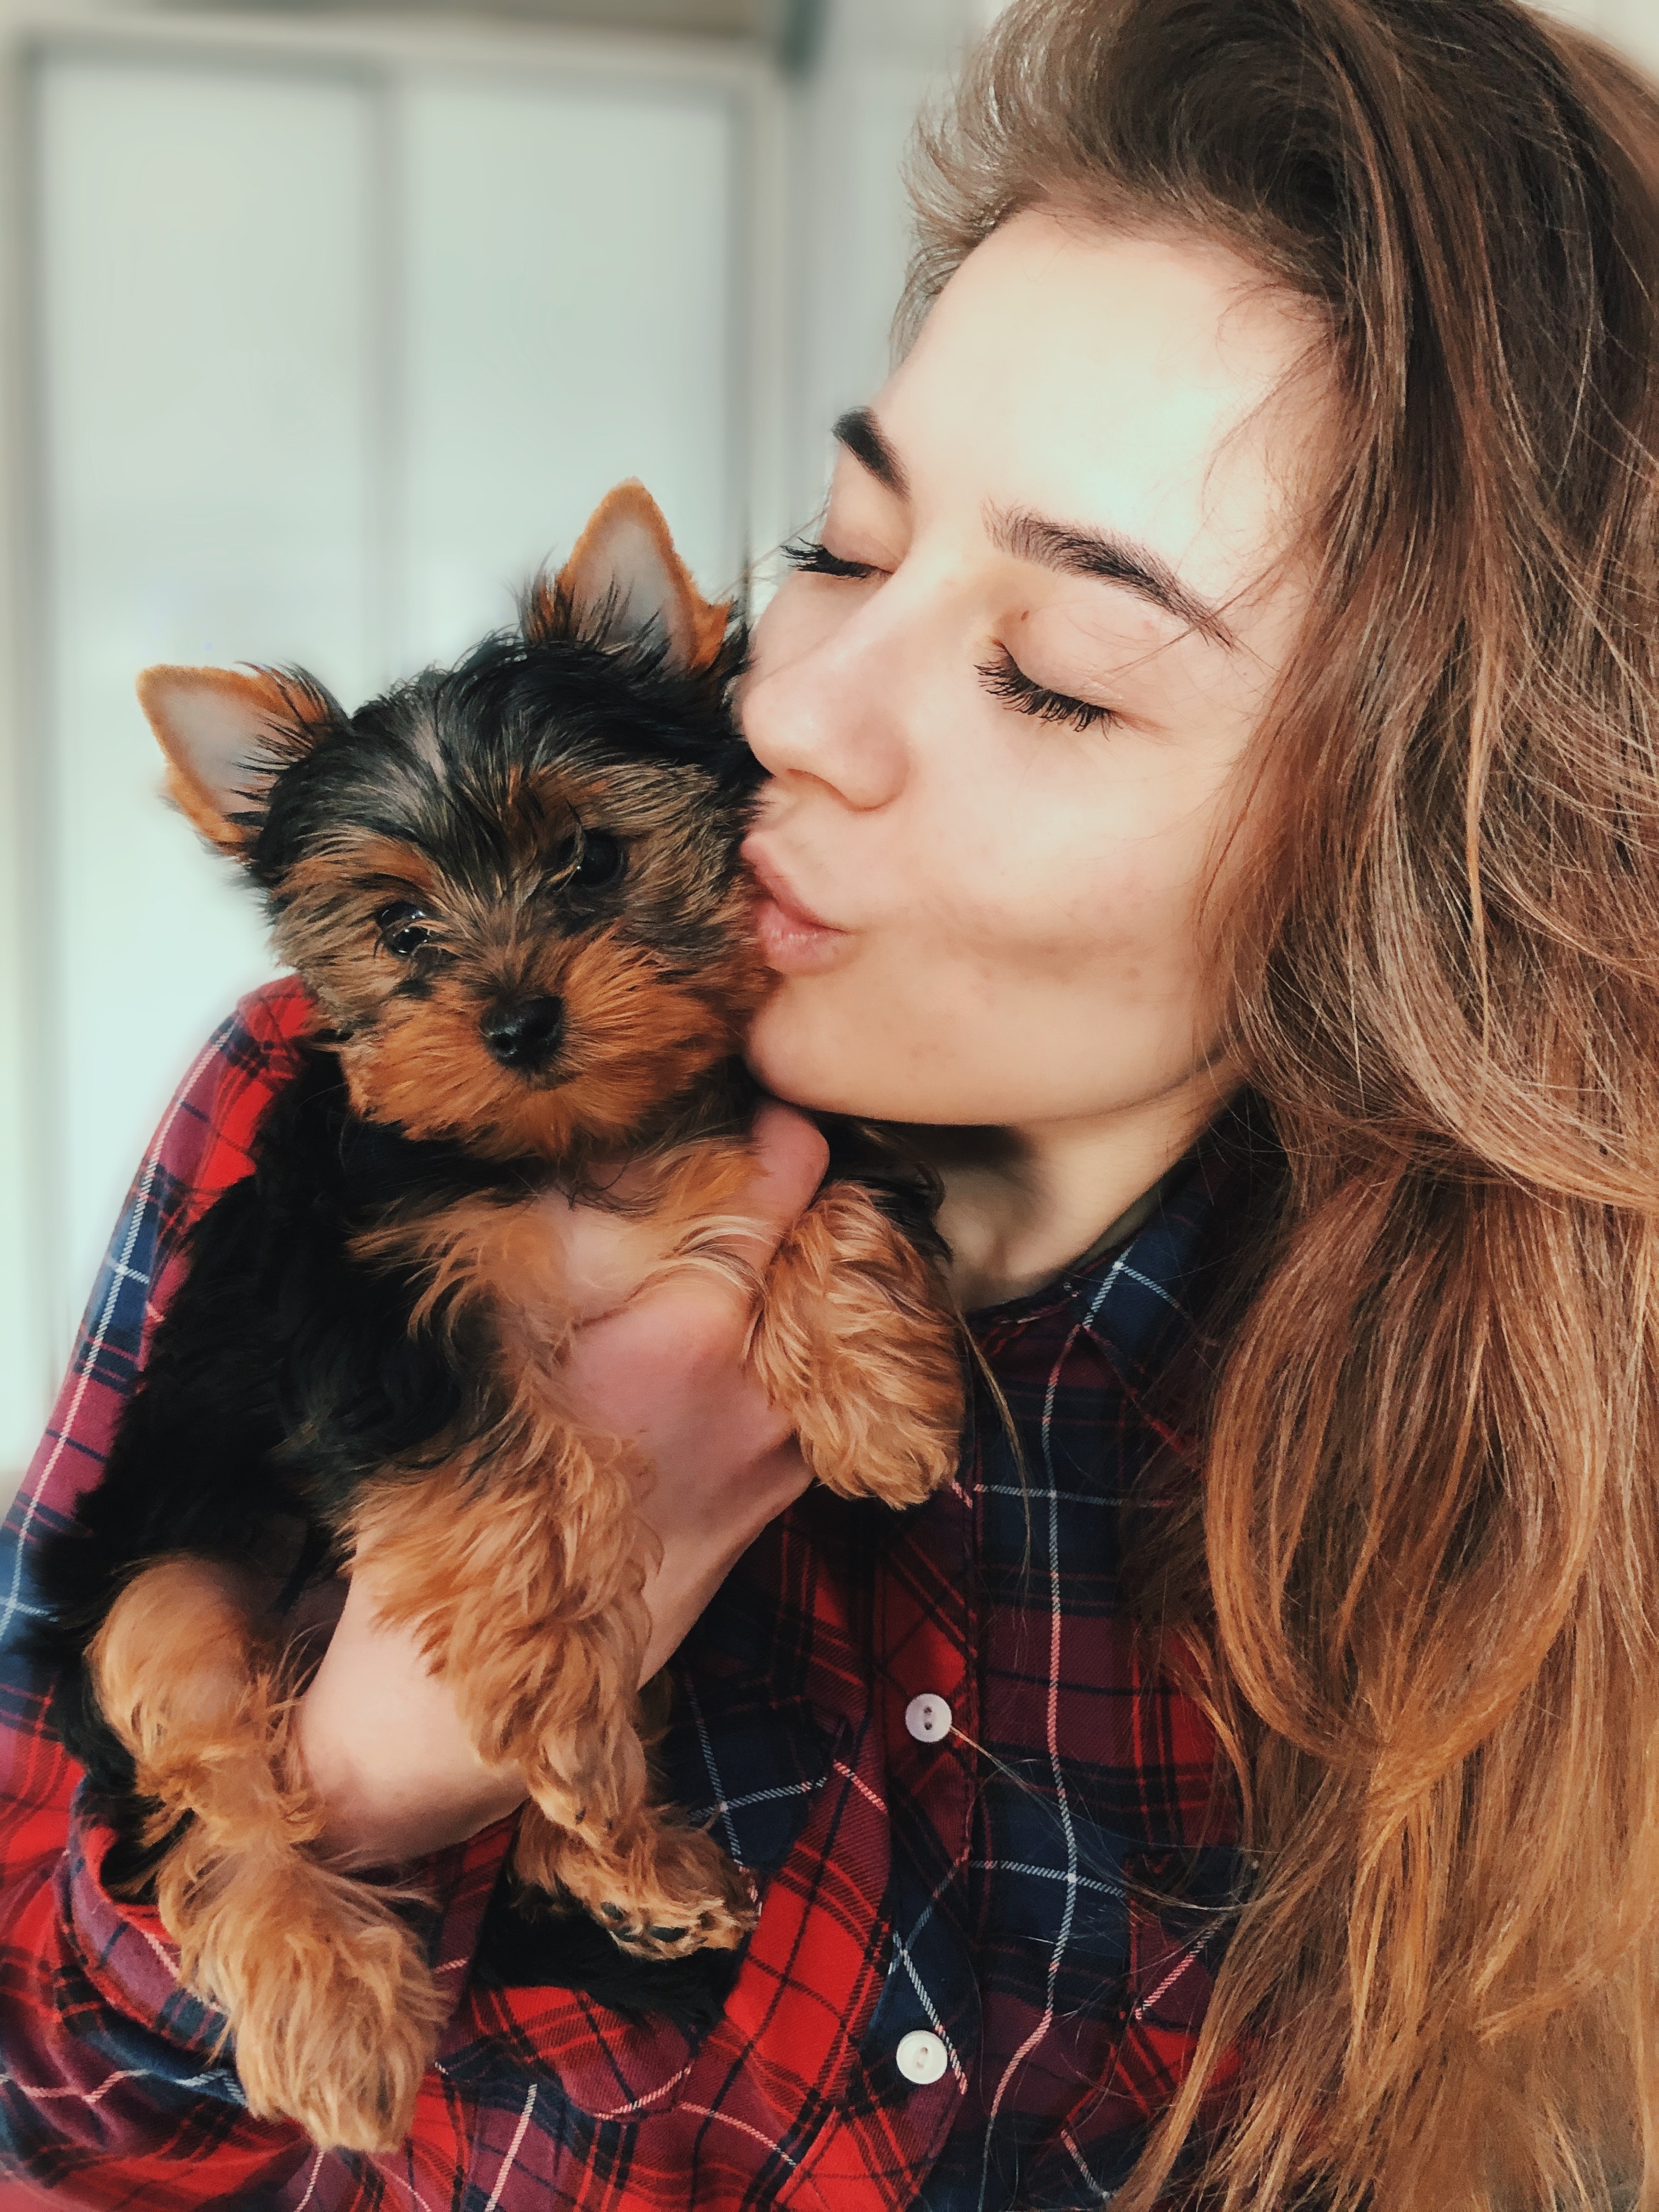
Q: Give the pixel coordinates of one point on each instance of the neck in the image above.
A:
(1022, 1204)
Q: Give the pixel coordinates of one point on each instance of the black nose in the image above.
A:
(527, 1035)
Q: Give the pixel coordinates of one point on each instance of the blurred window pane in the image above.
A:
(573, 319)
(331, 359)
(206, 352)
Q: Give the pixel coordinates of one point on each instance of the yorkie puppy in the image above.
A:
(513, 891)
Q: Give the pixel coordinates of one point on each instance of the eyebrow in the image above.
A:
(866, 442)
(1077, 551)
(1072, 551)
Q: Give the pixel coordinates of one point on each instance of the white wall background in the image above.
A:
(879, 62)
(312, 340)
(320, 347)
(316, 388)
(1632, 24)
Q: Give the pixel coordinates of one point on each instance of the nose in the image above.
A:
(525, 1034)
(821, 699)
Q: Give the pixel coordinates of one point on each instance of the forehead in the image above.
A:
(1155, 385)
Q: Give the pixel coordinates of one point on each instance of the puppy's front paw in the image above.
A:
(855, 1344)
(662, 1891)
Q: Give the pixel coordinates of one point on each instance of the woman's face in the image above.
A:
(1006, 706)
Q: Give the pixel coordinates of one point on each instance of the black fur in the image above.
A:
(281, 1374)
(524, 1945)
(285, 1372)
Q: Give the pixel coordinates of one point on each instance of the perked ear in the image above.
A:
(625, 570)
(223, 731)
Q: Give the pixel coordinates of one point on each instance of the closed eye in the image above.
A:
(809, 557)
(1005, 679)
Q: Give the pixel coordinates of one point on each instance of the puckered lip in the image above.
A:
(777, 887)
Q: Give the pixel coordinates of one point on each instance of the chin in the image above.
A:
(812, 1052)
(801, 1054)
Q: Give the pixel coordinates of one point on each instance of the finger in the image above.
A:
(683, 1342)
(609, 1260)
(791, 1154)
(737, 1241)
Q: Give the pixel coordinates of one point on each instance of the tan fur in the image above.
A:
(199, 810)
(487, 1569)
(525, 1584)
(635, 1035)
(518, 1556)
(631, 1033)
(526, 1591)
(521, 1563)
(325, 1991)
(852, 1343)
(696, 629)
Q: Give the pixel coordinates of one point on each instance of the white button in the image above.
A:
(927, 1718)
(920, 2057)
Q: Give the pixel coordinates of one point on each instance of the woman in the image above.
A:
(1215, 805)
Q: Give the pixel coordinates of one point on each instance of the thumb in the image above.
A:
(791, 1155)
(614, 1266)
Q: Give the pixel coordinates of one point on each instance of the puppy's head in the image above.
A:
(514, 886)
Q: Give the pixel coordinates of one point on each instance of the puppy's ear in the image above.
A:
(626, 581)
(225, 732)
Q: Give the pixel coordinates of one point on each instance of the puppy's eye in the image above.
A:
(403, 928)
(602, 860)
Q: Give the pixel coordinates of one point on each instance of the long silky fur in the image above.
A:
(287, 1369)
(365, 1348)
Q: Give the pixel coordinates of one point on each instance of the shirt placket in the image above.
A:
(919, 2053)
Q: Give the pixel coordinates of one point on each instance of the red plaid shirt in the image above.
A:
(982, 1887)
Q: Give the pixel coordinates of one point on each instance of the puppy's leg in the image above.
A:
(661, 1889)
(852, 1342)
(525, 1582)
(852, 1339)
(591, 1831)
(332, 2006)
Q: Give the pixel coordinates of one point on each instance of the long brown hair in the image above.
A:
(1421, 1570)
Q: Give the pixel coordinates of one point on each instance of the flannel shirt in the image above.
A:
(986, 1886)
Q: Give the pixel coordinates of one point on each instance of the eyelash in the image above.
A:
(1005, 679)
(807, 555)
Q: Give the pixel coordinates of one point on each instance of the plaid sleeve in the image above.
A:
(113, 2081)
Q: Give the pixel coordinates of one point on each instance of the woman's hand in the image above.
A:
(382, 1742)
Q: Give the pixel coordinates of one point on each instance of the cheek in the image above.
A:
(1017, 979)
(1081, 1002)
(1088, 922)
(1062, 894)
